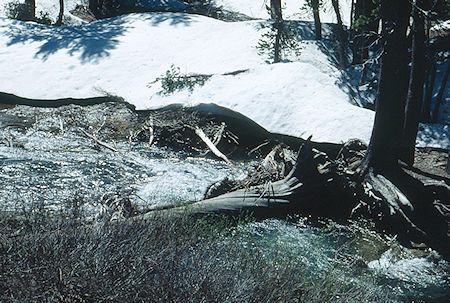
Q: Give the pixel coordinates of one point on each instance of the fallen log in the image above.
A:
(398, 204)
(303, 190)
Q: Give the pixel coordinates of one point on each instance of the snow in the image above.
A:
(122, 55)
(296, 98)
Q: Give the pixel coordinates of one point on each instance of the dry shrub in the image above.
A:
(48, 257)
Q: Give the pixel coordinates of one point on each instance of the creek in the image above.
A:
(46, 162)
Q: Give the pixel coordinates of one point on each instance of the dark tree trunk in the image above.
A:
(30, 14)
(341, 35)
(275, 10)
(382, 153)
(431, 77)
(416, 83)
(276, 14)
(440, 95)
(61, 12)
(357, 34)
(317, 23)
(277, 48)
(352, 12)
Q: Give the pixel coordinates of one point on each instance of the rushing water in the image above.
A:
(46, 165)
(353, 256)
(45, 173)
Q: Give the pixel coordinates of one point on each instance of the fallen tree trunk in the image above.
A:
(398, 204)
(308, 188)
(274, 199)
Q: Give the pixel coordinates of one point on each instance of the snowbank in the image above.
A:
(299, 98)
(123, 55)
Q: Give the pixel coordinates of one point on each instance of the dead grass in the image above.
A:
(48, 257)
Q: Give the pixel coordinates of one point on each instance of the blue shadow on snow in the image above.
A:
(93, 41)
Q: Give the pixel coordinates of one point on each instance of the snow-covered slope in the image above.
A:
(122, 55)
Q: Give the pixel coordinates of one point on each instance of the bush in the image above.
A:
(174, 81)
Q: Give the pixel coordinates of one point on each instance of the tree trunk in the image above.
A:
(341, 35)
(30, 14)
(358, 34)
(382, 153)
(317, 23)
(416, 83)
(352, 12)
(276, 14)
(431, 77)
(61, 12)
(275, 10)
(440, 95)
(307, 189)
(277, 48)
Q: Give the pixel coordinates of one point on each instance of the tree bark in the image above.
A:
(317, 23)
(382, 153)
(276, 14)
(277, 47)
(440, 95)
(341, 35)
(61, 12)
(275, 10)
(30, 15)
(431, 78)
(416, 83)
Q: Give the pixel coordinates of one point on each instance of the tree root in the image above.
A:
(397, 203)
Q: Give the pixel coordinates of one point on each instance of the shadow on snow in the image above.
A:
(93, 41)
